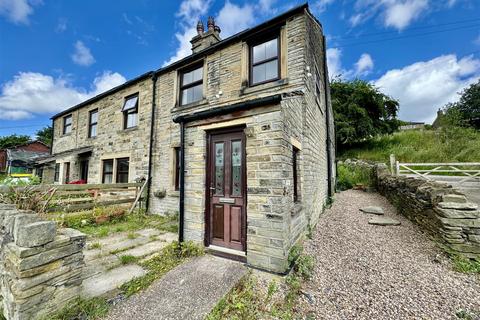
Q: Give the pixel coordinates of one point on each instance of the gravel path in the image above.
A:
(374, 272)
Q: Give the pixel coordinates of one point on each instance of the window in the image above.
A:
(107, 174)
(318, 83)
(84, 170)
(66, 168)
(122, 170)
(191, 86)
(296, 186)
(130, 112)
(67, 124)
(177, 168)
(264, 62)
(92, 123)
(56, 175)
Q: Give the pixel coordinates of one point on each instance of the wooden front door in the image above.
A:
(226, 214)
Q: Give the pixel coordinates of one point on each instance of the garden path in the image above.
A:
(376, 272)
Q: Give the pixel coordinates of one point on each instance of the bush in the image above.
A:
(349, 176)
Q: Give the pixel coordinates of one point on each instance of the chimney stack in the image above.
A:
(204, 39)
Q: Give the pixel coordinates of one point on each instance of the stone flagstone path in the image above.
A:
(104, 271)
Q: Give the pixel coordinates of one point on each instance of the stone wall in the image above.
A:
(40, 267)
(441, 210)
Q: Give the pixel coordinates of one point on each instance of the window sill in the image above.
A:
(66, 134)
(174, 193)
(128, 130)
(190, 105)
(92, 138)
(263, 86)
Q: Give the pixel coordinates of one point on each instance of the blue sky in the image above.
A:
(54, 54)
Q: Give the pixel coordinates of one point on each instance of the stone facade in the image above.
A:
(441, 210)
(41, 267)
(274, 221)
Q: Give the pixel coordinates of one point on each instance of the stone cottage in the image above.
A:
(237, 138)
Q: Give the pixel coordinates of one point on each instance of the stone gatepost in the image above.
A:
(40, 267)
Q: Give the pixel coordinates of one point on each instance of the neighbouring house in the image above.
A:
(21, 159)
(412, 126)
(237, 138)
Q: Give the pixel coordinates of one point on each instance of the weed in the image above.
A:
(132, 235)
(466, 315)
(465, 265)
(128, 259)
(294, 253)
(95, 245)
(82, 309)
(349, 176)
(272, 288)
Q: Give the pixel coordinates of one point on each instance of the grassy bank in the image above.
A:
(445, 145)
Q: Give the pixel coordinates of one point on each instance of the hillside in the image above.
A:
(445, 145)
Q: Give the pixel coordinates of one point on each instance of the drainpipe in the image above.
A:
(182, 182)
(150, 151)
(327, 117)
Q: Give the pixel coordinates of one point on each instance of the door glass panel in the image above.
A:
(236, 168)
(219, 168)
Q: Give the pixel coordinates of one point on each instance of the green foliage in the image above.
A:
(465, 112)
(465, 265)
(13, 140)
(303, 267)
(86, 309)
(127, 259)
(20, 182)
(25, 198)
(361, 111)
(294, 253)
(45, 135)
(349, 176)
(449, 144)
(169, 257)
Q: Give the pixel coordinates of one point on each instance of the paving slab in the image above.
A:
(383, 221)
(189, 291)
(144, 250)
(372, 210)
(108, 282)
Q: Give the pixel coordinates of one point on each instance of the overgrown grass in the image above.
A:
(465, 265)
(249, 300)
(444, 145)
(87, 309)
(168, 258)
(349, 176)
(86, 222)
(128, 259)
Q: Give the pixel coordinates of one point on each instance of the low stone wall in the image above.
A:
(40, 267)
(441, 210)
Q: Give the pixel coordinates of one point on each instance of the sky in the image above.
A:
(55, 53)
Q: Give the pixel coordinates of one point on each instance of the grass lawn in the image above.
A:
(445, 145)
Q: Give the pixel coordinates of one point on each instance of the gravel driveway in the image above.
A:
(373, 272)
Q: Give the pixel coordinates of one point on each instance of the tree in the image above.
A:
(466, 112)
(45, 135)
(361, 111)
(13, 140)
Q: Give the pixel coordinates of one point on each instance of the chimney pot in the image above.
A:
(211, 23)
(200, 27)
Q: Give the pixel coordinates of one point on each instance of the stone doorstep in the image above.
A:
(372, 210)
(108, 282)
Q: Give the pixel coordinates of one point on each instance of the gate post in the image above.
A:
(393, 164)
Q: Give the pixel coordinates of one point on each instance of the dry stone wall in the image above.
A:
(40, 267)
(440, 209)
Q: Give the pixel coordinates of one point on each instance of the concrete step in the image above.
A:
(145, 250)
(107, 283)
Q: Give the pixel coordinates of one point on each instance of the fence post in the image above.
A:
(397, 169)
(392, 164)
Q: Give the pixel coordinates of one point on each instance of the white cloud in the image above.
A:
(400, 14)
(425, 86)
(17, 11)
(61, 25)
(32, 93)
(82, 55)
(477, 40)
(321, 5)
(394, 13)
(266, 6)
(334, 62)
(364, 65)
(233, 18)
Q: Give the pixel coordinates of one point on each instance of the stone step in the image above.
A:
(100, 265)
(372, 210)
(383, 221)
(145, 250)
(107, 283)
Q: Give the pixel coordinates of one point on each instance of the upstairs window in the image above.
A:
(130, 112)
(122, 170)
(191, 85)
(92, 123)
(264, 62)
(67, 124)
